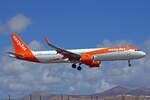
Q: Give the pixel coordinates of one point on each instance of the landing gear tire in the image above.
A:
(129, 64)
(79, 68)
(74, 66)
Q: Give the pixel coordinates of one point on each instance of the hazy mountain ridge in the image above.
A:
(124, 91)
(115, 91)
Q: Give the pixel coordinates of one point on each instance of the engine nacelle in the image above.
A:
(95, 64)
(87, 59)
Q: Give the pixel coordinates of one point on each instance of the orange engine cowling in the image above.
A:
(87, 59)
(94, 64)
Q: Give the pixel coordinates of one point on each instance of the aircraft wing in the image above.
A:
(67, 54)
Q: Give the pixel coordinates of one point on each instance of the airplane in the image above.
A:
(91, 57)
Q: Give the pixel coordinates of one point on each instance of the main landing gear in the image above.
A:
(129, 63)
(74, 65)
(78, 68)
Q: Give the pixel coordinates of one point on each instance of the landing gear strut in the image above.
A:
(129, 64)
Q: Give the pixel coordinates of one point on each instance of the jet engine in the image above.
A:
(87, 59)
(94, 64)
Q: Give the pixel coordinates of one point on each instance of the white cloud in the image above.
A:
(103, 86)
(18, 86)
(71, 89)
(11, 68)
(119, 43)
(36, 45)
(16, 24)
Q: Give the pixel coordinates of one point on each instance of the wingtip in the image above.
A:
(47, 41)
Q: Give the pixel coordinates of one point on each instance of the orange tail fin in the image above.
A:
(22, 50)
(19, 45)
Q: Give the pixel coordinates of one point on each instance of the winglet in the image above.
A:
(47, 41)
(50, 44)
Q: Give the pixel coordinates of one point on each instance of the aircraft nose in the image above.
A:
(142, 53)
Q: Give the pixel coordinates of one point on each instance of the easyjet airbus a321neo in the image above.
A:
(91, 57)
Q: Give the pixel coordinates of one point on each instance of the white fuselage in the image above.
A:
(54, 57)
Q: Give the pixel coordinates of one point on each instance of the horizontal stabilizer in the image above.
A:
(11, 54)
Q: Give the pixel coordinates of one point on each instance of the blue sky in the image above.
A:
(74, 24)
(80, 24)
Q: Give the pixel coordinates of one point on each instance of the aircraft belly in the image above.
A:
(51, 59)
(113, 56)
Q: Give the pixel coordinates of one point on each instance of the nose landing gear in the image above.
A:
(129, 63)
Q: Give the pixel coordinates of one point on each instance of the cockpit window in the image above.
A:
(138, 50)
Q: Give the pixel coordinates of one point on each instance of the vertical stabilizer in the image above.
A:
(19, 45)
(22, 49)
